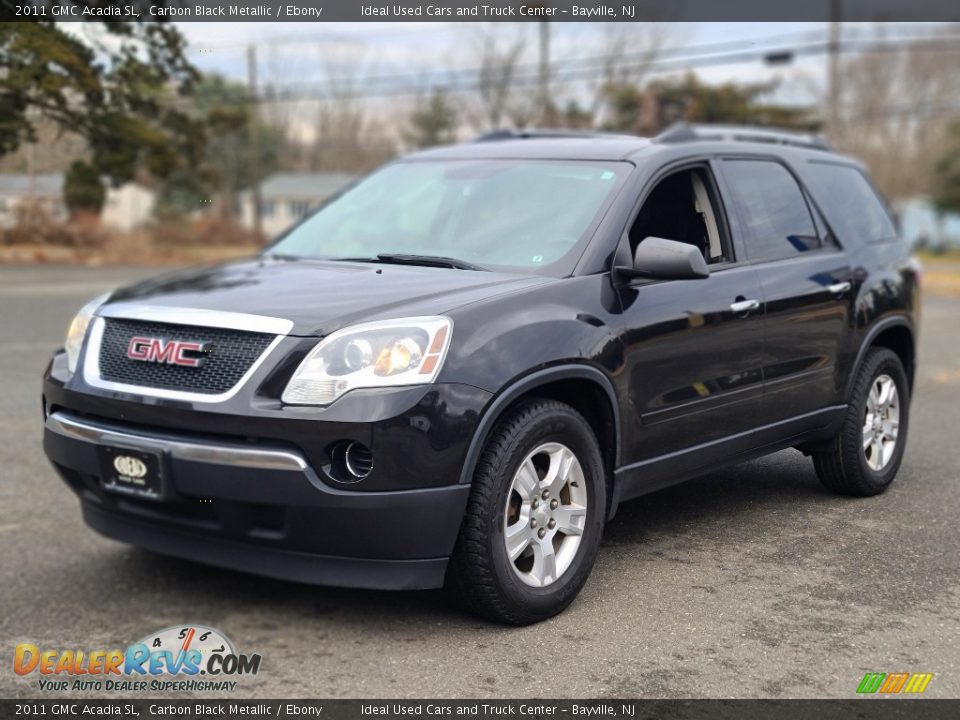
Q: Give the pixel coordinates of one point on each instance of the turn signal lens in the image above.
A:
(78, 331)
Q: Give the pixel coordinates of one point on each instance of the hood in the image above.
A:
(320, 297)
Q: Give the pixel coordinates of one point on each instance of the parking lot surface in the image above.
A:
(750, 582)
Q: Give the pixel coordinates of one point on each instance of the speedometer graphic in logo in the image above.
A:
(181, 639)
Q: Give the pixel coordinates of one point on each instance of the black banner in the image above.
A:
(484, 11)
(534, 709)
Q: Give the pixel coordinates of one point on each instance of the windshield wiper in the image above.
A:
(428, 260)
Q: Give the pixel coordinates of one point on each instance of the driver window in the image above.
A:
(682, 208)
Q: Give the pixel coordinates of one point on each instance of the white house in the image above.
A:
(44, 191)
(124, 208)
(287, 197)
(921, 223)
(127, 206)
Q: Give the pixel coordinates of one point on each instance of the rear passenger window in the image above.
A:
(772, 208)
(852, 207)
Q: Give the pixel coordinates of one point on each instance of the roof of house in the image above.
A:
(15, 184)
(43, 185)
(303, 185)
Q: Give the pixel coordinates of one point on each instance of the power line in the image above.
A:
(324, 37)
(319, 38)
(468, 79)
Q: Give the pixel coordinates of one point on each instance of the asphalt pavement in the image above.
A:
(749, 582)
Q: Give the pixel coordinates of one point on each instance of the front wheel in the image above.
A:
(865, 456)
(535, 516)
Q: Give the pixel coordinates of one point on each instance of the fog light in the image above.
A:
(350, 461)
(359, 460)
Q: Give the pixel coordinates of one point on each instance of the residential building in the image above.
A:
(124, 208)
(43, 191)
(922, 225)
(286, 198)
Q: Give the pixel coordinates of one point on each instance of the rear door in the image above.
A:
(806, 284)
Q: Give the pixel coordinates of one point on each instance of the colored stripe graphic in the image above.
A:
(871, 683)
(918, 682)
(893, 683)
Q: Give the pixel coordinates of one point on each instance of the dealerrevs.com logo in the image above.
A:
(176, 659)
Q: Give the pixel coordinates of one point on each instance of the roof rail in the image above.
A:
(686, 132)
(542, 133)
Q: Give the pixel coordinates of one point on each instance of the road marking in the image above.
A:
(947, 377)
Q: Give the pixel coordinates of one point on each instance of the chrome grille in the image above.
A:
(229, 355)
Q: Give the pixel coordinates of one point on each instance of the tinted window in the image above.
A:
(681, 208)
(521, 215)
(853, 209)
(772, 208)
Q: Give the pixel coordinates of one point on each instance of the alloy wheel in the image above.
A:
(881, 422)
(545, 514)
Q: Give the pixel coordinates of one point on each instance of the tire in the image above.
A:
(850, 468)
(481, 576)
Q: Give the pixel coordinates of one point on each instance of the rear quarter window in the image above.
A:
(772, 208)
(852, 207)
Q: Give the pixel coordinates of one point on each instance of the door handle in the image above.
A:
(840, 288)
(744, 306)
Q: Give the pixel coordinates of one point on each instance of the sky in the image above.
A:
(304, 52)
(304, 57)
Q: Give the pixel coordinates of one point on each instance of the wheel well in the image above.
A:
(899, 339)
(591, 401)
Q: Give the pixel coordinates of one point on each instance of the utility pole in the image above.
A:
(32, 117)
(833, 70)
(31, 170)
(544, 72)
(254, 139)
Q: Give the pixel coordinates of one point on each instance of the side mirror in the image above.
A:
(667, 260)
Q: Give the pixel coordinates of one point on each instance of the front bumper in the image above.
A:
(261, 510)
(246, 481)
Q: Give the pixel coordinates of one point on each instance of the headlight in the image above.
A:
(78, 330)
(409, 351)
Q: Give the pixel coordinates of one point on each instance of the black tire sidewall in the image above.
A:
(883, 362)
(572, 431)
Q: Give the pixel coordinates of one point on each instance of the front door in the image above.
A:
(693, 361)
(693, 348)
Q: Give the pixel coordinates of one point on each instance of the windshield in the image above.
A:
(509, 215)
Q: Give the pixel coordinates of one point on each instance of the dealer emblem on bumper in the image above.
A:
(129, 466)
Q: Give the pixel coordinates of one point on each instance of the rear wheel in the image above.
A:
(866, 454)
(535, 516)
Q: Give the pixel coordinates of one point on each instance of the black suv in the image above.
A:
(454, 371)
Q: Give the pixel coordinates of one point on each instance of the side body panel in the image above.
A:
(693, 365)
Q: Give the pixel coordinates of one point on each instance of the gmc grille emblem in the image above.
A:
(170, 352)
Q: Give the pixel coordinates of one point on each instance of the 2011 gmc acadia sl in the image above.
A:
(453, 372)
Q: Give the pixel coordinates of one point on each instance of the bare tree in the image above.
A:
(335, 129)
(54, 150)
(628, 51)
(431, 121)
(498, 50)
(894, 112)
